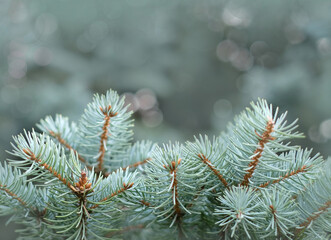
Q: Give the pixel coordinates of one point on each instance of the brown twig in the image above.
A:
(147, 204)
(316, 214)
(83, 219)
(82, 188)
(10, 193)
(47, 167)
(124, 188)
(137, 164)
(174, 188)
(266, 137)
(213, 169)
(104, 136)
(282, 178)
(64, 143)
(106, 174)
(273, 211)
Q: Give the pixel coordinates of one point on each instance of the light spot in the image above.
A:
(132, 100)
(315, 134)
(243, 60)
(325, 128)
(152, 118)
(258, 48)
(227, 50)
(294, 35)
(146, 99)
(17, 68)
(324, 46)
(234, 16)
(46, 24)
(18, 12)
(43, 56)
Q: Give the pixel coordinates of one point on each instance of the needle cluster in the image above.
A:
(88, 180)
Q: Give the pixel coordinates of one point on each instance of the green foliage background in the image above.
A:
(186, 66)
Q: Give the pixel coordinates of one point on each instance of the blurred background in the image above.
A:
(186, 67)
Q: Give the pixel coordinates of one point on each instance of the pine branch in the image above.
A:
(273, 211)
(14, 186)
(137, 163)
(123, 189)
(147, 204)
(176, 177)
(71, 215)
(213, 169)
(139, 152)
(64, 143)
(240, 210)
(66, 134)
(208, 156)
(316, 214)
(104, 136)
(32, 157)
(83, 187)
(44, 154)
(130, 166)
(174, 187)
(279, 214)
(10, 193)
(314, 205)
(286, 176)
(266, 137)
(189, 187)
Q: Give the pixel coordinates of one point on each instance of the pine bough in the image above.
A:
(88, 181)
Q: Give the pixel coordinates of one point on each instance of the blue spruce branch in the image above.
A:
(89, 181)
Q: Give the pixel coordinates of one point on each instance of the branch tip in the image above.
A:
(83, 185)
(264, 138)
(104, 135)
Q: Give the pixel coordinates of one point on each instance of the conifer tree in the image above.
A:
(87, 180)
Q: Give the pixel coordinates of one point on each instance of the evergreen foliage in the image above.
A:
(89, 181)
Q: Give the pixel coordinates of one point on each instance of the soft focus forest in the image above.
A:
(186, 67)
